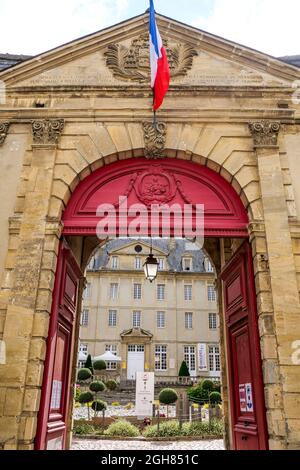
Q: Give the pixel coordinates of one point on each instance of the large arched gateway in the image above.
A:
(76, 131)
(177, 182)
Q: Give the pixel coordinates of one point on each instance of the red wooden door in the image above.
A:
(53, 415)
(248, 413)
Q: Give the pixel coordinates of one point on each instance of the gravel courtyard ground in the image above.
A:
(133, 445)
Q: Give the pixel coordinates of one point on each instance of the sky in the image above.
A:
(34, 26)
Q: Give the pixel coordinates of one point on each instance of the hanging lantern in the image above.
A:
(151, 267)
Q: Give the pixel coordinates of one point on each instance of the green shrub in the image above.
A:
(167, 429)
(83, 428)
(99, 405)
(215, 398)
(99, 365)
(88, 363)
(83, 375)
(86, 397)
(198, 395)
(97, 387)
(168, 396)
(203, 429)
(217, 387)
(111, 385)
(77, 393)
(184, 370)
(122, 428)
(207, 385)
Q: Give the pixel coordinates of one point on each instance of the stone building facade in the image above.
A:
(76, 110)
(152, 327)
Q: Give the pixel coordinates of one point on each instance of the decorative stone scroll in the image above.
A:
(265, 133)
(47, 131)
(133, 63)
(155, 139)
(4, 126)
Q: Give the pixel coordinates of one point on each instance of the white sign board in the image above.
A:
(144, 394)
(202, 357)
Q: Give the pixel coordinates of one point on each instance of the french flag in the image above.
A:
(160, 72)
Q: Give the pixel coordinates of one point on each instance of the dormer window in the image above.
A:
(187, 264)
(208, 266)
(161, 265)
(115, 262)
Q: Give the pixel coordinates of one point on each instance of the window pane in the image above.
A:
(136, 319)
(115, 262)
(189, 321)
(161, 320)
(114, 291)
(213, 321)
(112, 318)
(85, 317)
(137, 291)
(190, 357)
(161, 358)
(188, 293)
(138, 263)
(211, 293)
(87, 291)
(161, 292)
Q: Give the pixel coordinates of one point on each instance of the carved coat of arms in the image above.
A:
(133, 63)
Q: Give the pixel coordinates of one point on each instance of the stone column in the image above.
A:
(29, 304)
(278, 297)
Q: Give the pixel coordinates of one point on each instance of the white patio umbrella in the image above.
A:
(82, 357)
(108, 357)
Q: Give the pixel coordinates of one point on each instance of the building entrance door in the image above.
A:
(135, 360)
(248, 414)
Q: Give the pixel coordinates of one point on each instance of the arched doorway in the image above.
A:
(181, 184)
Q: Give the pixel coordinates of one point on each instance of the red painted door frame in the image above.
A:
(225, 216)
(248, 411)
(52, 422)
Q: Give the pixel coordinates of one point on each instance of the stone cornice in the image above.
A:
(47, 131)
(265, 133)
(4, 126)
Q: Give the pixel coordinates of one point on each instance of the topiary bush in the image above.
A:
(97, 387)
(217, 387)
(198, 395)
(99, 405)
(215, 398)
(111, 385)
(85, 398)
(122, 428)
(207, 385)
(184, 370)
(168, 396)
(99, 365)
(83, 375)
(88, 363)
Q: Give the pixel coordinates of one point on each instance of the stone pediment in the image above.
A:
(136, 333)
(129, 249)
(119, 57)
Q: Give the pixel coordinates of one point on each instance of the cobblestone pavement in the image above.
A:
(138, 445)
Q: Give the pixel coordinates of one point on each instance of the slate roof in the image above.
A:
(174, 253)
(292, 60)
(8, 60)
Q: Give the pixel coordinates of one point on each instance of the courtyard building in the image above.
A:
(152, 326)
